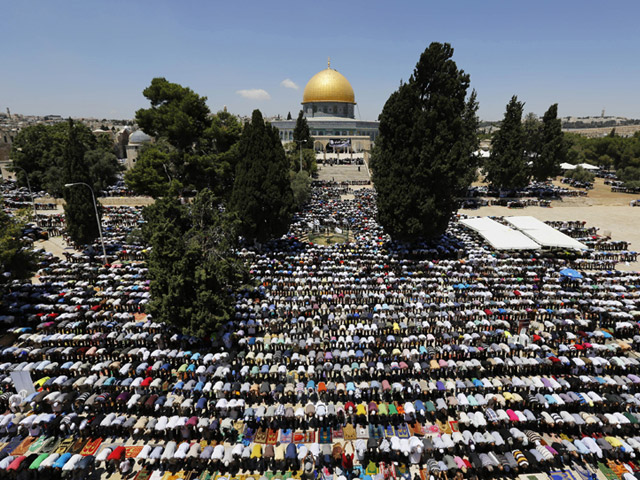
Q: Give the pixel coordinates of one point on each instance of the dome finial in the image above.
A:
(328, 62)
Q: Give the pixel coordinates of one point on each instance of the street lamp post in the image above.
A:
(33, 200)
(299, 142)
(95, 206)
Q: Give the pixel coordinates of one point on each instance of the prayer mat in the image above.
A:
(286, 436)
(349, 432)
(249, 434)
(310, 436)
(37, 445)
(372, 468)
(402, 469)
(325, 435)
(261, 436)
(23, 447)
(77, 446)
(387, 470)
(132, 451)
(453, 424)
(272, 437)
(51, 445)
(12, 445)
(143, 474)
(337, 433)
(376, 432)
(562, 475)
(91, 447)
(402, 431)
(390, 431)
(617, 467)
(362, 432)
(173, 476)
(65, 446)
(607, 472)
(298, 437)
(417, 429)
(206, 475)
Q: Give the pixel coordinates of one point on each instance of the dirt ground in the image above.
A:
(609, 211)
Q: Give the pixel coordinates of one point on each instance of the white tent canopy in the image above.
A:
(567, 166)
(500, 236)
(543, 234)
(588, 166)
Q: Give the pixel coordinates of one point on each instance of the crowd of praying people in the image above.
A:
(369, 359)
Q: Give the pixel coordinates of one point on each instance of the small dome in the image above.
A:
(139, 137)
(328, 86)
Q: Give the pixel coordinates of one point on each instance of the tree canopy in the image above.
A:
(17, 260)
(301, 133)
(177, 113)
(79, 210)
(262, 196)
(193, 149)
(192, 267)
(612, 151)
(423, 158)
(580, 174)
(552, 146)
(507, 166)
(41, 151)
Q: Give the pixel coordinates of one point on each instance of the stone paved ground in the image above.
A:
(341, 173)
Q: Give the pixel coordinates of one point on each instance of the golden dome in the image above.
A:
(328, 86)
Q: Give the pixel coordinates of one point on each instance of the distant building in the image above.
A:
(136, 141)
(328, 104)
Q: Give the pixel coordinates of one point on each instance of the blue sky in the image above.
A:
(84, 58)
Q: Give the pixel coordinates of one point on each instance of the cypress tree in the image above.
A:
(79, 210)
(192, 266)
(262, 196)
(507, 166)
(423, 159)
(553, 148)
(302, 134)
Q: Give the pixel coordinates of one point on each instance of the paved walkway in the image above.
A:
(342, 173)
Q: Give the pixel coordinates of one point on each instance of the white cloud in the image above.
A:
(288, 83)
(254, 94)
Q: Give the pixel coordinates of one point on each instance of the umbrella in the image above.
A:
(571, 273)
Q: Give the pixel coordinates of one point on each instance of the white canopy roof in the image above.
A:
(500, 236)
(567, 166)
(588, 166)
(544, 234)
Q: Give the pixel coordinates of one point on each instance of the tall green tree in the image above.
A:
(507, 166)
(17, 260)
(553, 148)
(224, 132)
(309, 164)
(262, 196)
(155, 170)
(79, 210)
(193, 149)
(423, 159)
(192, 266)
(532, 127)
(177, 113)
(301, 187)
(301, 134)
